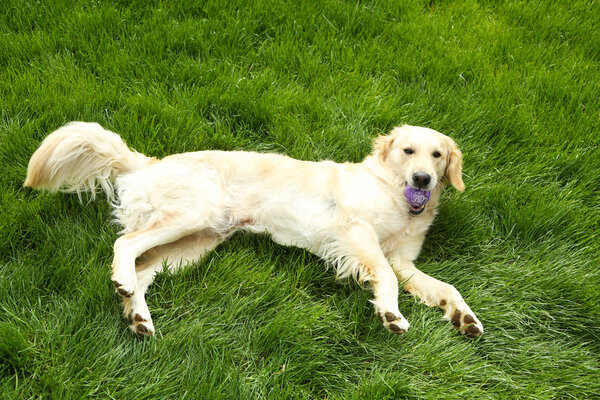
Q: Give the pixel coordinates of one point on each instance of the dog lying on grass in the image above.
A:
(358, 217)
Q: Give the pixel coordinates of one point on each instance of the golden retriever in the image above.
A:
(353, 215)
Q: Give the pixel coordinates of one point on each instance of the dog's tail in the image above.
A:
(79, 157)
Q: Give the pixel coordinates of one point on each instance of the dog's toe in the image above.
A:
(122, 289)
(396, 329)
(394, 323)
(142, 328)
(466, 323)
(123, 292)
(470, 326)
(473, 331)
(141, 323)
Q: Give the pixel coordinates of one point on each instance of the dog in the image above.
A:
(355, 216)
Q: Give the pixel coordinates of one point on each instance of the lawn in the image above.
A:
(515, 83)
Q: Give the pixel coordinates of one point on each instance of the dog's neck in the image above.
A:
(385, 175)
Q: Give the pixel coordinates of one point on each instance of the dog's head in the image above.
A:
(422, 158)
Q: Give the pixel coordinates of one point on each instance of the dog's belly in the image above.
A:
(292, 219)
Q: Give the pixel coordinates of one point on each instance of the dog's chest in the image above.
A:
(416, 226)
(403, 227)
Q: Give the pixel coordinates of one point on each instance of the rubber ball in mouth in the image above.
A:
(416, 197)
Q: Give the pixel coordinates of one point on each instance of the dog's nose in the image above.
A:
(421, 179)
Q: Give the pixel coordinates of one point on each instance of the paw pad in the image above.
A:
(139, 318)
(396, 329)
(121, 290)
(389, 317)
(392, 322)
(456, 319)
(465, 323)
(472, 331)
(124, 292)
(142, 330)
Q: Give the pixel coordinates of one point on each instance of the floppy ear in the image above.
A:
(383, 144)
(454, 167)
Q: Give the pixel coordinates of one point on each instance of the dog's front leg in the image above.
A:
(385, 290)
(436, 293)
(364, 255)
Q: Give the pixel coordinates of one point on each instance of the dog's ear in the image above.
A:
(383, 144)
(454, 166)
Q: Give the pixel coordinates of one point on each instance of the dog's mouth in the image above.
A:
(416, 210)
(417, 199)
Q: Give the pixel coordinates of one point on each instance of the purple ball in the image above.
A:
(416, 197)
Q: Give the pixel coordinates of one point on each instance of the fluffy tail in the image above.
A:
(80, 156)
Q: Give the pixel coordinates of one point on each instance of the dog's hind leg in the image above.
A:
(130, 246)
(174, 255)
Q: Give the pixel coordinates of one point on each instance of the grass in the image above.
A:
(516, 84)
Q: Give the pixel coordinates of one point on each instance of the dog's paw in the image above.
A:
(124, 289)
(141, 325)
(463, 319)
(394, 323)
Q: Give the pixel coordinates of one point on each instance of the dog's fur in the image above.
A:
(177, 209)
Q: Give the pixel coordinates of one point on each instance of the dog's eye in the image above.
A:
(408, 150)
(437, 154)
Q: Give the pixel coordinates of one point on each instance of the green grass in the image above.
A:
(516, 83)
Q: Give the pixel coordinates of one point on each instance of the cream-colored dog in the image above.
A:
(354, 216)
